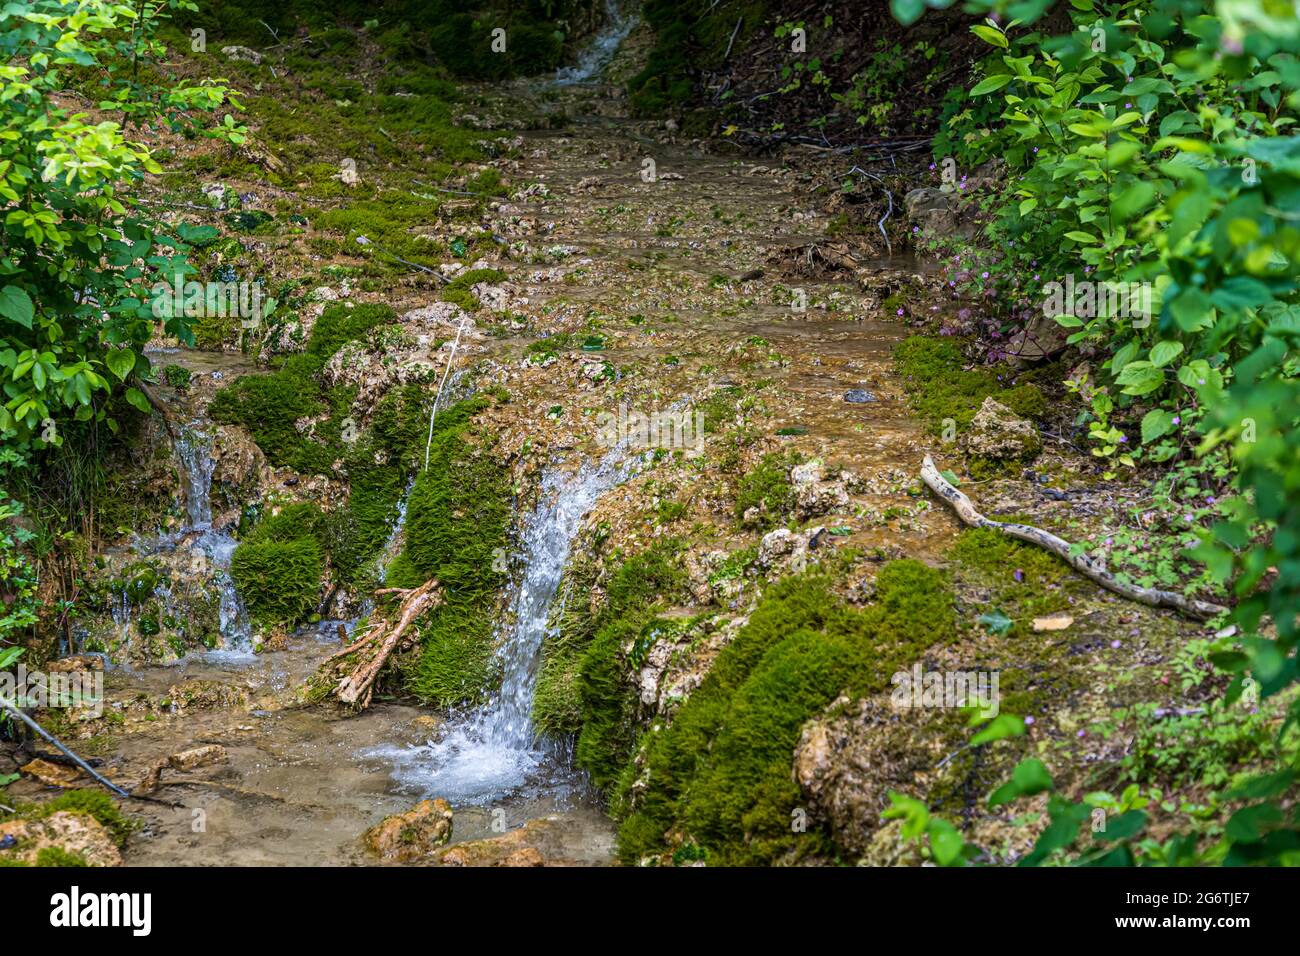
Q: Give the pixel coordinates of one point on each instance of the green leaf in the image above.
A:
(1140, 378)
(1001, 727)
(1029, 777)
(991, 84)
(1162, 353)
(9, 778)
(946, 842)
(989, 35)
(995, 622)
(907, 12)
(120, 362)
(136, 398)
(16, 306)
(1156, 423)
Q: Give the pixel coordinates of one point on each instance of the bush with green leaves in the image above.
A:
(79, 255)
(1154, 145)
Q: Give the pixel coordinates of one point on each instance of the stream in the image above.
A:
(301, 785)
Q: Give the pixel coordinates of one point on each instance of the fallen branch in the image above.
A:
(10, 705)
(350, 673)
(1088, 567)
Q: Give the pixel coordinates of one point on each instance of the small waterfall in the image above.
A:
(619, 22)
(493, 749)
(210, 550)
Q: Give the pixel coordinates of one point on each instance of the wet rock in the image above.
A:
(848, 760)
(197, 757)
(786, 551)
(814, 495)
(998, 433)
(413, 835)
(52, 774)
(858, 396)
(74, 663)
(65, 830)
(934, 210)
(539, 842)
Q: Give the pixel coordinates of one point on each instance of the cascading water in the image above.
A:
(210, 550)
(620, 20)
(493, 750)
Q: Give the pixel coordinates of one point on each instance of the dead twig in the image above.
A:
(1088, 567)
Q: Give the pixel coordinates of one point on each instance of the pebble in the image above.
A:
(858, 396)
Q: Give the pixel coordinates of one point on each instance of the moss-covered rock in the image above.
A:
(280, 567)
(457, 531)
(719, 776)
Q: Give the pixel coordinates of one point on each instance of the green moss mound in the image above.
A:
(939, 386)
(720, 772)
(582, 687)
(340, 324)
(94, 803)
(767, 487)
(280, 581)
(457, 531)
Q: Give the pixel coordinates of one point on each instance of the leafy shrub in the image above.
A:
(78, 262)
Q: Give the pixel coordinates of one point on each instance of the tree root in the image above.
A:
(1088, 567)
(350, 673)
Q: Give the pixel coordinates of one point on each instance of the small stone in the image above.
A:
(406, 837)
(242, 53)
(51, 774)
(858, 396)
(197, 757)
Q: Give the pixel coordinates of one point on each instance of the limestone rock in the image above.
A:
(51, 774)
(786, 551)
(814, 494)
(413, 835)
(848, 760)
(197, 757)
(997, 432)
(539, 842)
(67, 830)
(935, 211)
(242, 53)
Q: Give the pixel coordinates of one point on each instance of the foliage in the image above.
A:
(79, 256)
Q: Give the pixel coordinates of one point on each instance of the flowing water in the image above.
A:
(620, 20)
(493, 750)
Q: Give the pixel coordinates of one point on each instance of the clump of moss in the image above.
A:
(458, 524)
(378, 465)
(767, 487)
(1025, 580)
(341, 323)
(459, 290)
(279, 581)
(583, 686)
(94, 803)
(279, 567)
(719, 774)
(269, 405)
(939, 386)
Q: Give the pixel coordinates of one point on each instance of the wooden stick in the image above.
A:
(357, 685)
(1088, 567)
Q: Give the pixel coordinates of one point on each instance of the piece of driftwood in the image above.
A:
(1088, 567)
(353, 670)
